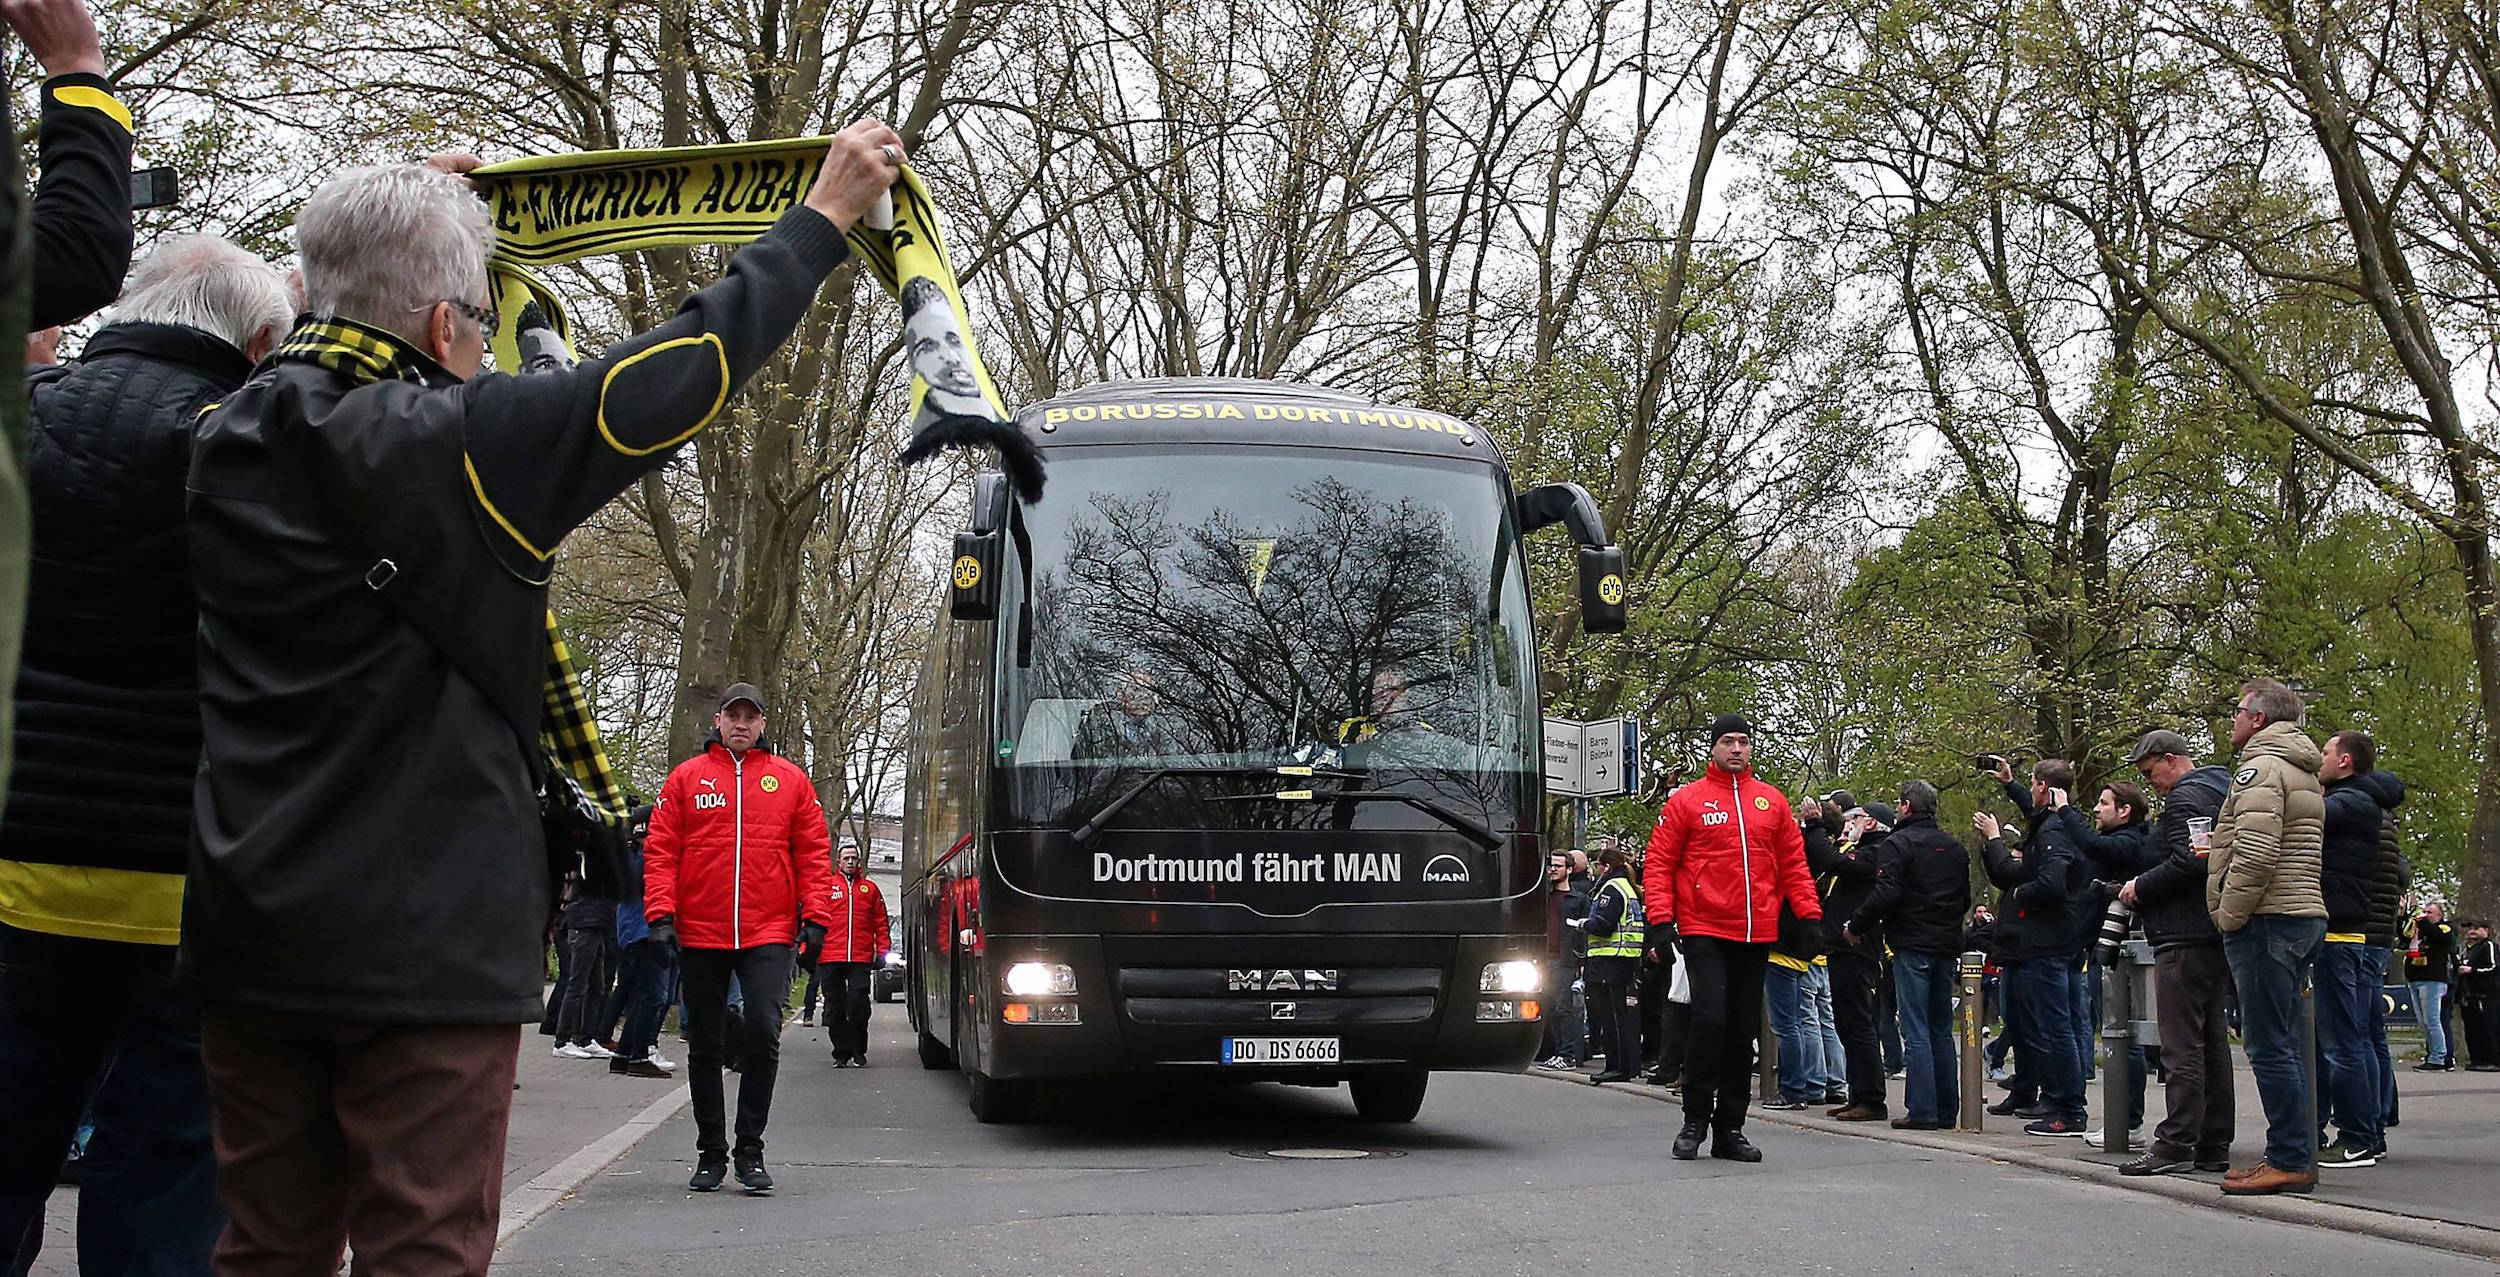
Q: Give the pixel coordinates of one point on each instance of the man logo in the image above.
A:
(1445, 868)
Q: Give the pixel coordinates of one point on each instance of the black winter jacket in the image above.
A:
(2350, 861)
(2043, 886)
(2392, 876)
(369, 846)
(80, 236)
(1922, 890)
(2170, 893)
(108, 715)
(1847, 879)
(1561, 907)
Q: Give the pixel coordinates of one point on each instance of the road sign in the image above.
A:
(1591, 760)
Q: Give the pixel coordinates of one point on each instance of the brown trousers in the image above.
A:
(387, 1138)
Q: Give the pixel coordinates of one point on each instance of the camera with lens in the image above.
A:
(2116, 921)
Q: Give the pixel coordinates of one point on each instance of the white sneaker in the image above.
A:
(663, 1061)
(2135, 1138)
(568, 1051)
(594, 1051)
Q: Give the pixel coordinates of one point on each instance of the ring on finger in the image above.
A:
(893, 154)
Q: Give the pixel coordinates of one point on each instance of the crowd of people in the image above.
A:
(1846, 924)
(287, 535)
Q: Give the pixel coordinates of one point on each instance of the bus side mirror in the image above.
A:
(972, 579)
(1601, 589)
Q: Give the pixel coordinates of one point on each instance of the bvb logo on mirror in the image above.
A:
(967, 572)
(1610, 589)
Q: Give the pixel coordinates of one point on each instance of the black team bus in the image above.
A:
(1226, 759)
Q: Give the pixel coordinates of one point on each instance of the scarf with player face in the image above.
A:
(553, 209)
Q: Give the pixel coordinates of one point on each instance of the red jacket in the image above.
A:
(1725, 851)
(859, 921)
(738, 851)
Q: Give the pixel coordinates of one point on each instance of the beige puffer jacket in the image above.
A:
(2270, 838)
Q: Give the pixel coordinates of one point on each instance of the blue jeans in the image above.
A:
(2045, 989)
(642, 972)
(1568, 1030)
(1800, 1061)
(96, 1024)
(2270, 957)
(2351, 1089)
(2430, 1010)
(1922, 985)
(2086, 997)
(1819, 1017)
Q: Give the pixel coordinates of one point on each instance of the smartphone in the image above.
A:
(1987, 762)
(159, 187)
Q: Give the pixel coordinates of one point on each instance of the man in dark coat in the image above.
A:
(98, 831)
(372, 518)
(2191, 980)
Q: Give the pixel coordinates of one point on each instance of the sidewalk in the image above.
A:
(562, 1108)
(2434, 1187)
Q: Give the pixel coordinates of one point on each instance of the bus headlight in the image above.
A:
(1041, 980)
(1515, 976)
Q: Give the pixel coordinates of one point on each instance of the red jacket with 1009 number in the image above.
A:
(738, 851)
(859, 922)
(1726, 850)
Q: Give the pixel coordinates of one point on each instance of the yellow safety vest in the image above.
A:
(1629, 933)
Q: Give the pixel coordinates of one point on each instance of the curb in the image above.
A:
(2371, 1221)
(525, 1205)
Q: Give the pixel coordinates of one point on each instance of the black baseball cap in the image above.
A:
(2159, 742)
(742, 692)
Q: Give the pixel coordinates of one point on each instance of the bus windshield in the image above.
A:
(1359, 614)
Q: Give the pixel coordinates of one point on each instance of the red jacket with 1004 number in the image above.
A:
(1726, 850)
(859, 922)
(738, 851)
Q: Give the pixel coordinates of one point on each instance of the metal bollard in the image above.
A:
(1769, 1047)
(2117, 1057)
(1974, 1054)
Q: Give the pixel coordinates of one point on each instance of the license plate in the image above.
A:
(1280, 1050)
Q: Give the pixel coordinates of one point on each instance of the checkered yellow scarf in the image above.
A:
(565, 730)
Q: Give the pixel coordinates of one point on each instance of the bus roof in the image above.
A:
(1234, 410)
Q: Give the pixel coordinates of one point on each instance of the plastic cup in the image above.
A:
(2201, 833)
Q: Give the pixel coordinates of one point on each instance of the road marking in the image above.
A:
(524, 1206)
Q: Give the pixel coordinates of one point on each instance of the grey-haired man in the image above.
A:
(371, 523)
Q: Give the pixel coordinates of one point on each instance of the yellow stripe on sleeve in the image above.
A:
(95, 99)
(609, 382)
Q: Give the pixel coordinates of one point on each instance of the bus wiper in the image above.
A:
(1086, 833)
(1475, 830)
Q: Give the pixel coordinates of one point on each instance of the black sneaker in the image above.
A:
(2347, 1154)
(1688, 1142)
(2054, 1128)
(638, 1068)
(2035, 1112)
(1734, 1147)
(2159, 1163)
(2008, 1106)
(752, 1176)
(708, 1170)
(1783, 1105)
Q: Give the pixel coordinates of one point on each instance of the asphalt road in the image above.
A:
(882, 1170)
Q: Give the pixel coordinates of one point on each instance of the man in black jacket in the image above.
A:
(2191, 981)
(2044, 958)
(2478, 997)
(2351, 970)
(1567, 897)
(1856, 961)
(98, 832)
(372, 522)
(1922, 890)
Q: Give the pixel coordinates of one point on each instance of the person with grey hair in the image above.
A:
(107, 741)
(372, 521)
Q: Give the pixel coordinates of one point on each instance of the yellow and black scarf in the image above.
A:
(551, 209)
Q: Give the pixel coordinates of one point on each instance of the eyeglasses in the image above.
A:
(2246, 711)
(487, 321)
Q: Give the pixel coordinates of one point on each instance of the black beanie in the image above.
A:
(1726, 723)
